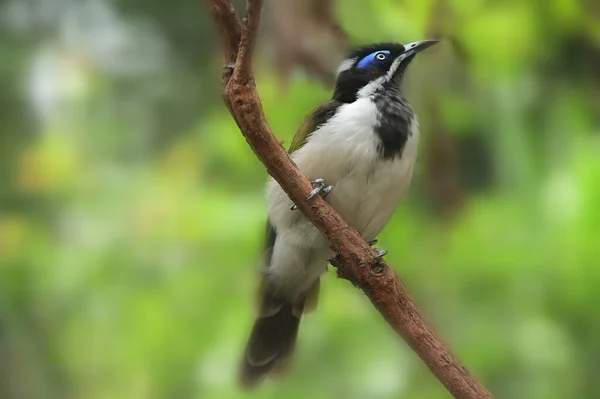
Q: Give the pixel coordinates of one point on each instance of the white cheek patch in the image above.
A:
(346, 65)
(394, 67)
(371, 87)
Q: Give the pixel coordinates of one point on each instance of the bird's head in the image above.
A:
(375, 67)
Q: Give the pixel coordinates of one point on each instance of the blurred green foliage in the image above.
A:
(131, 209)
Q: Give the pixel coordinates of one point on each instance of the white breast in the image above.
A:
(367, 189)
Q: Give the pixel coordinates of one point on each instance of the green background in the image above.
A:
(131, 209)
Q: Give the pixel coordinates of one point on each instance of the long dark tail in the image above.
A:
(273, 337)
(270, 346)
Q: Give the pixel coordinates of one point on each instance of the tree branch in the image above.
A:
(356, 261)
(228, 23)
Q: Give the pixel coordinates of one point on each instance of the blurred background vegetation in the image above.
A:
(132, 210)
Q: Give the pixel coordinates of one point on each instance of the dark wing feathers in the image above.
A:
(315, 119)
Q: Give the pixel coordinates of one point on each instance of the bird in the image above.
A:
(358, 149)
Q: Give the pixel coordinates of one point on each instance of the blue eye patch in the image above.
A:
(373, 58)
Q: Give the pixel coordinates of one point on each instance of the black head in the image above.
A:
(375, 67)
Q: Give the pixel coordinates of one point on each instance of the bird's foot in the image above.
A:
(319, 187)
(381, 252)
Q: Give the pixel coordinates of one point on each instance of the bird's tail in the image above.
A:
(273, 338)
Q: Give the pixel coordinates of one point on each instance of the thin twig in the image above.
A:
(356, 260)
(228, 23)
(243, 65)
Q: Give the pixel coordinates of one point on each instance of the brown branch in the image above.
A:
(356, 260)
(243, 66)
(228, 23)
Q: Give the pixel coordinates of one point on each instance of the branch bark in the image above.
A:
(356, 261)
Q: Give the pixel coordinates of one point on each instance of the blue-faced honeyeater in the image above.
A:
(358, 149)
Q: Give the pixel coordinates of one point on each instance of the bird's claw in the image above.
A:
(319, 187)
(381, 252)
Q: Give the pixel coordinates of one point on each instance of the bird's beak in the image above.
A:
(416, 47)
(401, 62)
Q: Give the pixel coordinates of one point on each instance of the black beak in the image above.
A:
(403, 60)
(416, 47)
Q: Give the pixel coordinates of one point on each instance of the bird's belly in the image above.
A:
(367, 199)
(366, 187)
(366, 192)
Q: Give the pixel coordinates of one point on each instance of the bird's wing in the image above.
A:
(315, 119)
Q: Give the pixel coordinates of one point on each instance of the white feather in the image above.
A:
(345, 65)
(369, 89)
(366, 192)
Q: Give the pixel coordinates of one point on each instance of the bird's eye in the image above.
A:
(373, 59)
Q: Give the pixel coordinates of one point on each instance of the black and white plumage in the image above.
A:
(363, 142)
